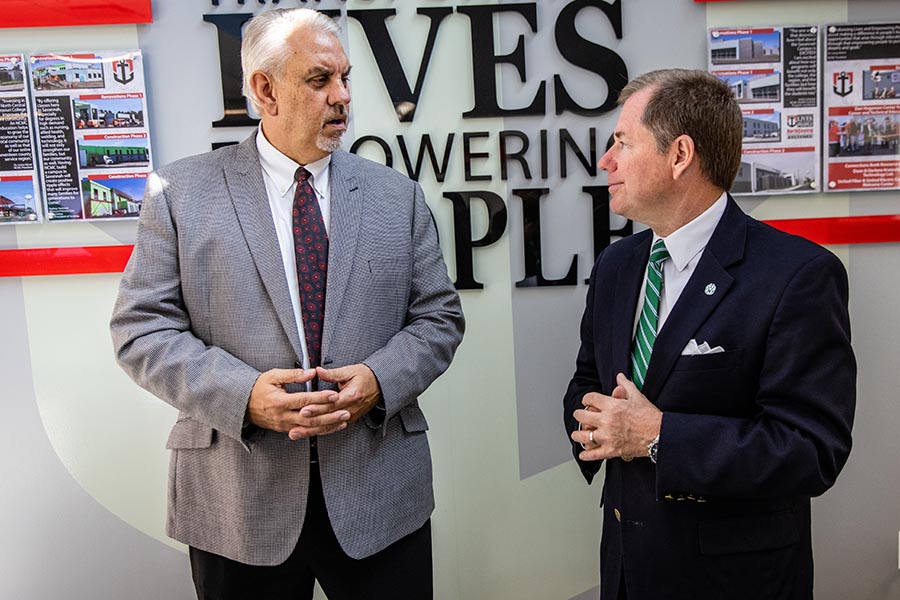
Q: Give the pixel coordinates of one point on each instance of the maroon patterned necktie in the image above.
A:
(311, 250)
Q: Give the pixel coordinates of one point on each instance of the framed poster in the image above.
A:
(774, 73)
(93, 133)
(862, 103)
(19, 200)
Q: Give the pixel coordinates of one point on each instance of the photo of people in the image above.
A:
(116, 153)
(754, 47)
(106, 113)
(762, 128)
(881, 85)
(12, 74)
(17, 203)
(62, 74)
(752, 87)
(863, 135)
(106, 198)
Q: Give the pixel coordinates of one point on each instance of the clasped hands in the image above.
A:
(621, 424)
(304, 414)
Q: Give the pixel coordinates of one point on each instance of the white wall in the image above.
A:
(81, 447)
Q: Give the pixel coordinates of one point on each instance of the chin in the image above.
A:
(328, 144)
(619, 207)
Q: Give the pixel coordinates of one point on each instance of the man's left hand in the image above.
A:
(358, 389)
(623, 424)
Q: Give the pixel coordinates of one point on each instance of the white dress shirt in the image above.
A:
(278, 174)
(685, 246)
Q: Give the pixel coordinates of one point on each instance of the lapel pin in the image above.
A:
(710, 289)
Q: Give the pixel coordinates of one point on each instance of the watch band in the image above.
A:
(652, 448)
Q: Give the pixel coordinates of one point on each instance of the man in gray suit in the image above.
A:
(280, 252)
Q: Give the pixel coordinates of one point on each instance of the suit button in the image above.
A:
(668, 497)
(618, 515)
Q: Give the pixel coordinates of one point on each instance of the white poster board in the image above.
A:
(774, 74)
(93, 133)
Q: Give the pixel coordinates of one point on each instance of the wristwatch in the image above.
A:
(652, 447)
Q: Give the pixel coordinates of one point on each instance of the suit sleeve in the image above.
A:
(151, 330)
(417, 354)
(799, 439)
(586, 379)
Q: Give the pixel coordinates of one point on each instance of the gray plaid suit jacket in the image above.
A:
(203, 309)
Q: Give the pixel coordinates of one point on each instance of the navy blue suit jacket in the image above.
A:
(748, 435)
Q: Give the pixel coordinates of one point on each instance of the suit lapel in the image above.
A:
(244, 178)
(694, 306)
(628, 288)
(346, 208)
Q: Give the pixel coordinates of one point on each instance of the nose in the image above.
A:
(607, 162)
(340, 93)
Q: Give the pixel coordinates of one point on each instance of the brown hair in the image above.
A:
(697, 104)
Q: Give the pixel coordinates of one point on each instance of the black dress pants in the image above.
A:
(402, 571)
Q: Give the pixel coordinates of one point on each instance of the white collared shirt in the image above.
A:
(685, 246)
(278, 174)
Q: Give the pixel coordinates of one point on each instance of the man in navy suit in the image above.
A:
(715, 375)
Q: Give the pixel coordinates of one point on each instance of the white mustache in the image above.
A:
(340, 112)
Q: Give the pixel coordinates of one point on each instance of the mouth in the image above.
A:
(338, 123)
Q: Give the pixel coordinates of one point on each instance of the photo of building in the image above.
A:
(754, 87)
(17, 202)
(105, 114)
(112, 198)
(112, 154)
(745, 48)
(796, 172)
(762, 128)
(61, 74)
(12, 75)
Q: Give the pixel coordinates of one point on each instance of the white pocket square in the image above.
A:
(692, 349)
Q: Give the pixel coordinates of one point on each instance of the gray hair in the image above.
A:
(264, 46)
(697, 104)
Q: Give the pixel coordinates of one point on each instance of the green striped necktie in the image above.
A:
(645, 335)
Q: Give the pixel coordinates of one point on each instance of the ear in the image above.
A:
(681, 155)
(264, 86)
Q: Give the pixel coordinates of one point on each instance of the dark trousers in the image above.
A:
(623, 593)
(401, 571)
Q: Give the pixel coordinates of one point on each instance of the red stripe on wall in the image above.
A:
(60, 13)
(112, 259)
(64, 261)
(844, 230)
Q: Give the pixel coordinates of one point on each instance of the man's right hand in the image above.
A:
(272, 407)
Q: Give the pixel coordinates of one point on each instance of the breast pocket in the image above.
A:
(729, 359)
(714, 384)
(388, 266)
(387, 281)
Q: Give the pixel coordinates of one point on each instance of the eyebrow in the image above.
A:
(316, 71)
(619, 134)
